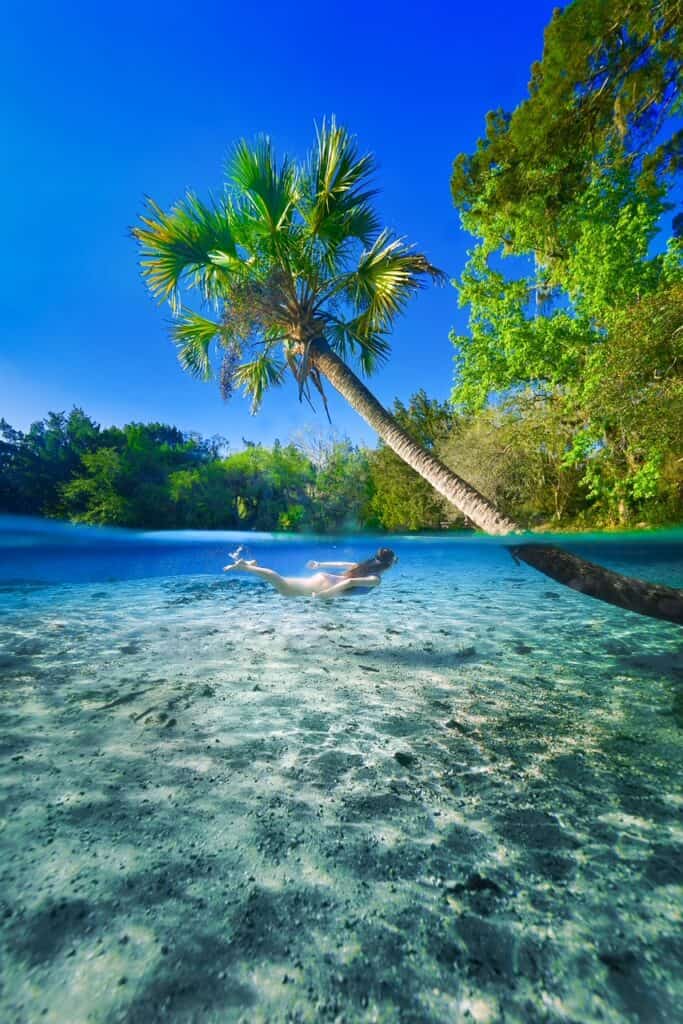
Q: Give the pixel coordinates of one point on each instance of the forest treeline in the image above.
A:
(520, 453)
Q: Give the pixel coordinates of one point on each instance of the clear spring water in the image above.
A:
(457, 798)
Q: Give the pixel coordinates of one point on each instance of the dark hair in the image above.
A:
(380, 562)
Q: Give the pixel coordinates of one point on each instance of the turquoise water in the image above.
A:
(457, 798)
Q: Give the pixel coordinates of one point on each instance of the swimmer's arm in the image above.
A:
(330, 565)
(348, 584)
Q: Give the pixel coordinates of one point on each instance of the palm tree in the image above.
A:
(300, 278)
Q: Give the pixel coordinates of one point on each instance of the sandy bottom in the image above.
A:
(446, 803)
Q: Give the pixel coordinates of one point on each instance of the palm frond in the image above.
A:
(193, 334)
(231, 262)
(270, 189)
(257, 376)
(177, 246)
(387, 275)
(338, 202)
(371, 357)
(362, 222)
(357, 338)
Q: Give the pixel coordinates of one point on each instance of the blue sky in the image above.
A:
(106, 103)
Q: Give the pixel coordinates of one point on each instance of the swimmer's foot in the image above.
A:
(240, 564)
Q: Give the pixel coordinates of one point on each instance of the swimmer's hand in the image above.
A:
(312, 565)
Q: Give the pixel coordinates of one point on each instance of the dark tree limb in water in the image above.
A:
(653, 599)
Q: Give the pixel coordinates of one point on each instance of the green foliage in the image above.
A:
(126, 481)
(34, 466)
(94, 497)
(573, 185)
(292, 254)
(401, 499)
(154, 476)
(270, 486)
(529, 454)
(342, 488)
(632, 397)
(516, 455)
(609, 80)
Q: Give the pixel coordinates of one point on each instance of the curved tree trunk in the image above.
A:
(465, 498)
(639, 596)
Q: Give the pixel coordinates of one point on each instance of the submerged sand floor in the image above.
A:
(450, 804)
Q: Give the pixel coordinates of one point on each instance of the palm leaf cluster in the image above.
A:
(290, 254)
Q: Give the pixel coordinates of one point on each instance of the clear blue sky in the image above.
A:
(104, 103)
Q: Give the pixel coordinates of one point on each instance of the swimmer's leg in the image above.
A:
(269, 575)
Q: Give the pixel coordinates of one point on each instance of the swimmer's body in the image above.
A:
(356, 576)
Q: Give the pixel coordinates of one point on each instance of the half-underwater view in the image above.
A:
(341, 514)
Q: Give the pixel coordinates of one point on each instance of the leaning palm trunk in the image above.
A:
(639, 596)
(461, 494)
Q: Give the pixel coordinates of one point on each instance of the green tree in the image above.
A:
(127, 480)
(34, 466)
(402, 499)
(342, 487)
(574, 184)
(538, 328)
(95, 496)
(609, 82)
(517, 452)
(204, 497)
(271, 487)
(632, 398)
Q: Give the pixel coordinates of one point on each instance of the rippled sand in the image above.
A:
(455, 799)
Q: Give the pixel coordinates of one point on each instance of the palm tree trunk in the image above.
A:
(651, 599)
(593, 580)
(465, 498)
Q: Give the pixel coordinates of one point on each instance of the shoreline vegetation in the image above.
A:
(154, 476)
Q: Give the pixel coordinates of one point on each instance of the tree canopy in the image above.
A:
(291, 252)
(154, 476)
(573, 286)
(608, 85)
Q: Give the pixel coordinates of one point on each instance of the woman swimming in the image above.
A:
(356, 576)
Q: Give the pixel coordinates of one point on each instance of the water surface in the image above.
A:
(456, 798)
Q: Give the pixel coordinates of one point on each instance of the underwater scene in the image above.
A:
(454, 798)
